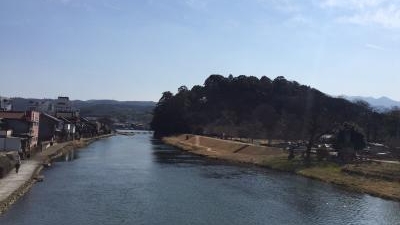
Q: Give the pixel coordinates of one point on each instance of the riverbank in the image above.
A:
(53, 152)
(359, 178)
(14, 185)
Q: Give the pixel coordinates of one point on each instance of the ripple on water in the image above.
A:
(137, 180)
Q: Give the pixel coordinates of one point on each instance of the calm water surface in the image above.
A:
(137, 180)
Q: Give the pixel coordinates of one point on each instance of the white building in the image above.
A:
(59, 106)
(63, 104)
(43, 106)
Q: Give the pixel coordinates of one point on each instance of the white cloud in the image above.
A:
(375, 47)
(388, 17)
(385, 13)
(352, 4)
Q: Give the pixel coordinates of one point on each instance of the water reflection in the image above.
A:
(68, 156)
(164, 154)
(311, 202)
(138, 180)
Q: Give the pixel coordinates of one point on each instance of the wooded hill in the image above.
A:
(246, 106)
(139, 111)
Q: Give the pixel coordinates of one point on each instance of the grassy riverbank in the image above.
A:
(377, 179)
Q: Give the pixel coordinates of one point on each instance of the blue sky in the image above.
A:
(135, 50)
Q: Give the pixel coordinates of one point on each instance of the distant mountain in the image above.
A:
(23, 103)
(79, 103)
(139, 111)
(380, 103)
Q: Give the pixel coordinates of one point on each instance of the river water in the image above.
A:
(138, 180)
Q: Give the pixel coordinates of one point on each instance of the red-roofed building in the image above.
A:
(24, 125)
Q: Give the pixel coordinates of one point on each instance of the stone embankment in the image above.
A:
(15, 185)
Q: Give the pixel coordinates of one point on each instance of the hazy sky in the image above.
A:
(136, 49)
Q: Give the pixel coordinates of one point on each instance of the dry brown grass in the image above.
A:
(364, 178)
(373, 186)
(379, 170)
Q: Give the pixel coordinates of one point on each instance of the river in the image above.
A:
(138, 180)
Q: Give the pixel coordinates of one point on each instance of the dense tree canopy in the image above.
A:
(349, 139)
(246, 106)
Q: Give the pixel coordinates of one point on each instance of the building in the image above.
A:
(9, 143)
(5, 104)
(64, 108)
(68, 131)
(63, 104)
(43, 106)
(86, 128)
(24, 124)
(50, 128)
(71, 115)
(60, 107)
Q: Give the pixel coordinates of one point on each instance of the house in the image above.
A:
(102, 126)
(86, 128)
(25, 125)
(50, 128)
(68, 131)
(97, 125)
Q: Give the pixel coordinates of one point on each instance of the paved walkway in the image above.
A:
(13, 180)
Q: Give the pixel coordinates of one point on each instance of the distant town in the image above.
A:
(44, 122)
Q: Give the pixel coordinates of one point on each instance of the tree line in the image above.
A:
(249, 107)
